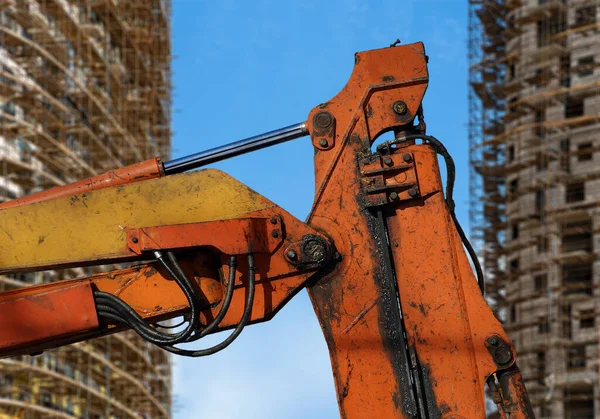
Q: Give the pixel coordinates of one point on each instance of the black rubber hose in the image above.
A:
(132, 319)
(222, 311)
(226, 303)
(236, 332)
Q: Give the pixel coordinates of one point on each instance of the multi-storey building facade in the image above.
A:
(84, 88)
(535, 188)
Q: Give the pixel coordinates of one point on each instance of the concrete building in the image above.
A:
(534, 134)
(84, 87)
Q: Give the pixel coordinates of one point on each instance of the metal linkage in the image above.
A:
(237, 148)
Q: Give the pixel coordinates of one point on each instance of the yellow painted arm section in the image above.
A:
(205, 218)
(93, 226)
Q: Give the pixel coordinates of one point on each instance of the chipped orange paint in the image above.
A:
(514, 395)
(353, 303)
(445, 317)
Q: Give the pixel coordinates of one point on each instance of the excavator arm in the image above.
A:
(381, 254)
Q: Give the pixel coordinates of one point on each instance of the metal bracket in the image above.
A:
(232, 237)
(389, 179)
(323, 135)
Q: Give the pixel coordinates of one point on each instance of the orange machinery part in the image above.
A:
(60, 313)
(404, 320)
(137, 172)
(51, 312)
(406, 326)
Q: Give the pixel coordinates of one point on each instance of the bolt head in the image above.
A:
(275, 234)
(400, 107)
(407, 158)
(314, 250)
(413, 192)
(502, 355)
(493, 340)
(273, 220)
(393, 196)
(291, 254)
(323, 120)
(134, 240)
(388, 161)
(317, 251)
(323, 142)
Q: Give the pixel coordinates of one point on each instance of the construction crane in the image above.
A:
(381, 254)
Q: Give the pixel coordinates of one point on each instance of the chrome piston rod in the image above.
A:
(237, 148)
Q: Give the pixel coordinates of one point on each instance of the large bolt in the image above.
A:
(400, 107)
(273, 220)
(323, 142)
(291, 254)
(134, 240)
(394, 196)
(314, 250)
(413, 192)
(323, 120)
(275, 234)
(502, 355)
(388, 161)
(407, 157)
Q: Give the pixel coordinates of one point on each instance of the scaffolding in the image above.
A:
(534, 127)
(85, 87)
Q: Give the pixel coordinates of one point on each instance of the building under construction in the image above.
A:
(84, 88)
(534, 138)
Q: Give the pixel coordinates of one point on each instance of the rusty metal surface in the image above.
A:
(446, 318)
(409, 334)
(515, 401)
(388, 178)
(402, 314)
(357, 303)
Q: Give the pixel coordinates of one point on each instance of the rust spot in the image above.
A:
(346, 388)
(444, 408)
(360, 316)
(388, 78)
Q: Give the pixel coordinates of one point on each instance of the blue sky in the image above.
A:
(246, 67)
